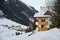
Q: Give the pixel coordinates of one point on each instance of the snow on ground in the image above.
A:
(47, 35)
(8, 34)
(5, 33)
(5, 21)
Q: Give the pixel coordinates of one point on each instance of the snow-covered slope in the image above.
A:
(35, 3)
(5, 21)
(46, 35)
(19, 12)
(39, 3)
(8, 34)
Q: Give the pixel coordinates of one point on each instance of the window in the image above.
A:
(42, 19)
(42, 26)
(37, 20)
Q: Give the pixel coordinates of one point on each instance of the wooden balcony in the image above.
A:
(42, 29)
(42, 23)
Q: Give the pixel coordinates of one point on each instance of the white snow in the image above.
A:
(8, 34)
(39, 3)
(35, 3)
(5, 21)
(41, 14)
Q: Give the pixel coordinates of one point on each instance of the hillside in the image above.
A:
(8, 34)
(18, 11)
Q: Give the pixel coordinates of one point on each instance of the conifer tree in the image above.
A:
(2, 4)
(56, 15)
(34, 25)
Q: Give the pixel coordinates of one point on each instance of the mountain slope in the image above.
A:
(8, 34)
(18, 12)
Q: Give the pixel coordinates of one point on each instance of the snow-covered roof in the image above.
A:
(41, 13)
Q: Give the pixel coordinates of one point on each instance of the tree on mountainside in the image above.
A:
(56, 15)
(2, 4)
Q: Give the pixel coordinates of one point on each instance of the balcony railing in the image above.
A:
(42, 23)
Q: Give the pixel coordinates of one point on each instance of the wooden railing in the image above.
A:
(42, 22)
(42, 29)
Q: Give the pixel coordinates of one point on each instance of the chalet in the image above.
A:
(43, 20)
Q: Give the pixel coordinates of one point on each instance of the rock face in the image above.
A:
(18, 11)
